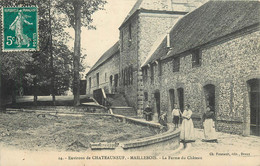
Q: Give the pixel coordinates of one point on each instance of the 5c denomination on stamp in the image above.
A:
(20, 29)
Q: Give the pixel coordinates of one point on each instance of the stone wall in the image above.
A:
(107, 69)
(227, 66)
(128, 57)
(146, 28)
(230, 127)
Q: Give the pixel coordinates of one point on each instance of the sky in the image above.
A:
(95, 42)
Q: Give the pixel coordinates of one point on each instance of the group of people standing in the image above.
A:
(184, 118)
(187, 127)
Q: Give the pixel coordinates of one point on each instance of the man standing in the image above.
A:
(148, 112)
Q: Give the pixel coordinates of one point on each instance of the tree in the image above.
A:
(33, 68)
(12, 72)
(62, 67)
(49, 30)
(79, 13)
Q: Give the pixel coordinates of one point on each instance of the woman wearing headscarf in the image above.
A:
(209, 125)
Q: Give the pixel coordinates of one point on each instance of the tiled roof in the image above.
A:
(109, 53)
(213, 20)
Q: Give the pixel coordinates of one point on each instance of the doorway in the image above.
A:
(111, 83)
(180, 92)
(172, 98)
(157, 102)
(97, 80)
(254, 99)
(116, 82)
(209, 92)
(89, 84)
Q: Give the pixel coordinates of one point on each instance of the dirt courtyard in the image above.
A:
(46, 132)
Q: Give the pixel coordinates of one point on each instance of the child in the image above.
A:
(163, 119)
(176, 115)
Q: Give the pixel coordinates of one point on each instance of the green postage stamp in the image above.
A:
(20, 29)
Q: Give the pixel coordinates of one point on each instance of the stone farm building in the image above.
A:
(169, 52)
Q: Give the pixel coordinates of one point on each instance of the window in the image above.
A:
(111, 80)
(97, 79)
(196, 58)
(122, 40)
(176, 64)
(130, 32)
(123, 72)
(145, 96)
(145, 74)
(122, 77)
(89, 83)
(127, 74)
(125, 77)
(131, 75)
(145, 71)
(152, 73)
(129, 35)
(159, 68)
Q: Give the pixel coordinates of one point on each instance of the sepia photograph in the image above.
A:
(130, 82)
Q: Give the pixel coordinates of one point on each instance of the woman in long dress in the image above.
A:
(187, 128)
(209, 125)
(17, 26)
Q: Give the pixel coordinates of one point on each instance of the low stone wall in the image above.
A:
(232, 127)
(126, 111)
(227, 126)
(137, 121)
(166, 140)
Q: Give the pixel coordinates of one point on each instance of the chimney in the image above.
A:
(168, 40)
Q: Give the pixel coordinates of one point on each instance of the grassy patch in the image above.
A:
(64, 133)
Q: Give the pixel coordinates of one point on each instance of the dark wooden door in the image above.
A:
(254, 98)
(157, 100)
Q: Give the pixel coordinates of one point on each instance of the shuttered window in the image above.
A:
(152, 73)
(196, 58)
(176, 64)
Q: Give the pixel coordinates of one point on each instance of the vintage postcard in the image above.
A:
(130, 82)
